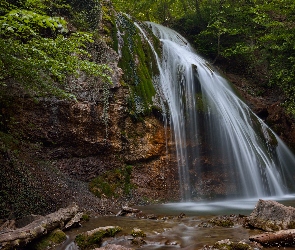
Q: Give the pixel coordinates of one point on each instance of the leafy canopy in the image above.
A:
(39, 53)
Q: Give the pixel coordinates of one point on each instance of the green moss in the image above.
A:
(222, 222)
(291, 225)
(85, 217)
(54, 238)
(139, 66)
(114, 183)
(136, 232)
(94, 240)
(241, 246)
(229, 245)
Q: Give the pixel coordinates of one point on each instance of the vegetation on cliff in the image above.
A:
(61, 121)
(39, 51)
(44, 49)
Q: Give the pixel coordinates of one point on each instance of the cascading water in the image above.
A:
(222, 146)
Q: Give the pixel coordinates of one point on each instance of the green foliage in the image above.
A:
(39, 53)
(85, 241)
(161, 11)
(85, 217)
(54, 238)
(114, 183)
(256, 38)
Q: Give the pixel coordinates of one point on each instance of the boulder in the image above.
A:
(92, 239)
(271, 216)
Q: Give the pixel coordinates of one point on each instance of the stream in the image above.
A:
(172, 231)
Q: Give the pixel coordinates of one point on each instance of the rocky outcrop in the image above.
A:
(272, 216)
(62, 145)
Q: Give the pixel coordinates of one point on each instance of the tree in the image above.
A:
(39, 53)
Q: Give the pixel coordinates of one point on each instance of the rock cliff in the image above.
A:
(52, 148)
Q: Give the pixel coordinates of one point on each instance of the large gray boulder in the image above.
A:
(272, 216)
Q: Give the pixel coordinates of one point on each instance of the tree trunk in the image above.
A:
(282, 237)
(22, 236)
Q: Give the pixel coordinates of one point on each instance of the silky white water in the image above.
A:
(216, 131)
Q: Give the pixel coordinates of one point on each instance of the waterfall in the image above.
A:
(222, 146)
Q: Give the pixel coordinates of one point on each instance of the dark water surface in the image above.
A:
(189, 232)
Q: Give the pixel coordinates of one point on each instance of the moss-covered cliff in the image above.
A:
(51, 148)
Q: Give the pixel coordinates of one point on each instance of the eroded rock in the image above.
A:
(271, 216)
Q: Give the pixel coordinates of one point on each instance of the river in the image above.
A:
(172, 231)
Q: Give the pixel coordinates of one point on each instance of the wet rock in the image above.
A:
(271, 216)
(113, 247)
(228, 245)
(138, 241)
(171, 243)
(205, 224)
(49, 241)
(93, 238)
(127, 211)
(136, 232)
(182, 215)
(152, 216)
(227, 220)
(74, 222)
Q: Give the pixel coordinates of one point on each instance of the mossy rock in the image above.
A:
(139, 66)
(85, 217)
(54, 238)
(136, 232)
(229, 245)
(93, 238)
(223, 221)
